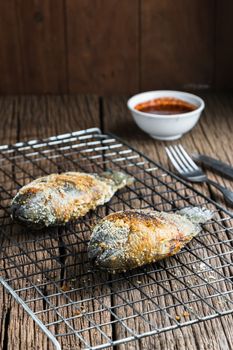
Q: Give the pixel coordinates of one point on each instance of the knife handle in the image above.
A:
(228, 195)
(215, 164)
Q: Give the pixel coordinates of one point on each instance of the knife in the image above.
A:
(216, 165)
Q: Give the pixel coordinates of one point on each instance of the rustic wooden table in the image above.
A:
(28, 117)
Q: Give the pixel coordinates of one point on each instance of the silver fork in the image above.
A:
(189, 170)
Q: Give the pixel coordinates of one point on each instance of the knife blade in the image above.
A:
(216, 165)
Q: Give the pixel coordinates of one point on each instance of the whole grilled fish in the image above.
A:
(132, 238)
(59, 198)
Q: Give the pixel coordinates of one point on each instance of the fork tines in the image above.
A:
(180, 159)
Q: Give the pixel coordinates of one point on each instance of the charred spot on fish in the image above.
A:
(130, 213)
(31, 191)
(133, 217)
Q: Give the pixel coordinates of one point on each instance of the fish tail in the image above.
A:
(119, 178)
(196, 215)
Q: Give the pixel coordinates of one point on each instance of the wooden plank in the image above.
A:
(212, 334)
(16, 334)
(8, 120)
(171, 45)
(41, 35)
(46, 116)
(10, 61)
(214, 141)
(74, 112)
(103, 46)
(35, 117)
(177, 44)
(8, 133)
(39, 117)
(223, 47)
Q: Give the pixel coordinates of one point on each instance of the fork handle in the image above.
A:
(228, 195)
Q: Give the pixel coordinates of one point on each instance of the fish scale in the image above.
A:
(60, 198)
(128, 239)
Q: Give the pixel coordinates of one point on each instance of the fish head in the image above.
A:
(31, 209)
(107, 245)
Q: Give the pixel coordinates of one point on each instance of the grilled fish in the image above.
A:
(127, 239)
(59, 198)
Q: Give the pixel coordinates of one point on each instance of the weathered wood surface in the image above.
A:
(103, 44)
(114, 46)
(167, 29)
(224, 52)
(36, 117)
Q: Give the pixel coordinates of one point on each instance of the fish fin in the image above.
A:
(119, 178)
(196, 215)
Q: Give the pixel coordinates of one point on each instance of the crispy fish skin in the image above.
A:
(128, 239)
(59, 198)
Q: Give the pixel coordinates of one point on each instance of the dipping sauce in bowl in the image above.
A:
(165, 114)
(165, 106)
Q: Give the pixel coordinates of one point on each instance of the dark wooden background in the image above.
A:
(114, 46)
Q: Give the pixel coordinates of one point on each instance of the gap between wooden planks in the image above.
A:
(36, 117)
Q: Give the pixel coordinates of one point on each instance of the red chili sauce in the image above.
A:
(165, 106)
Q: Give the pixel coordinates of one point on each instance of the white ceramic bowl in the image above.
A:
(166, 127)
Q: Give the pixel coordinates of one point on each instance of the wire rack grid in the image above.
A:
(49, 274)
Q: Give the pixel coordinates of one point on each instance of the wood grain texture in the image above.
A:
(34, 118)
(103, 46)
(177, 44)
(215, 141)
(38, 117)
(8, 131)
(41, 36)
(224, 47)
(10, 51)
(114, 46)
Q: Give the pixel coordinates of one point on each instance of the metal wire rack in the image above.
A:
(48, 272)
